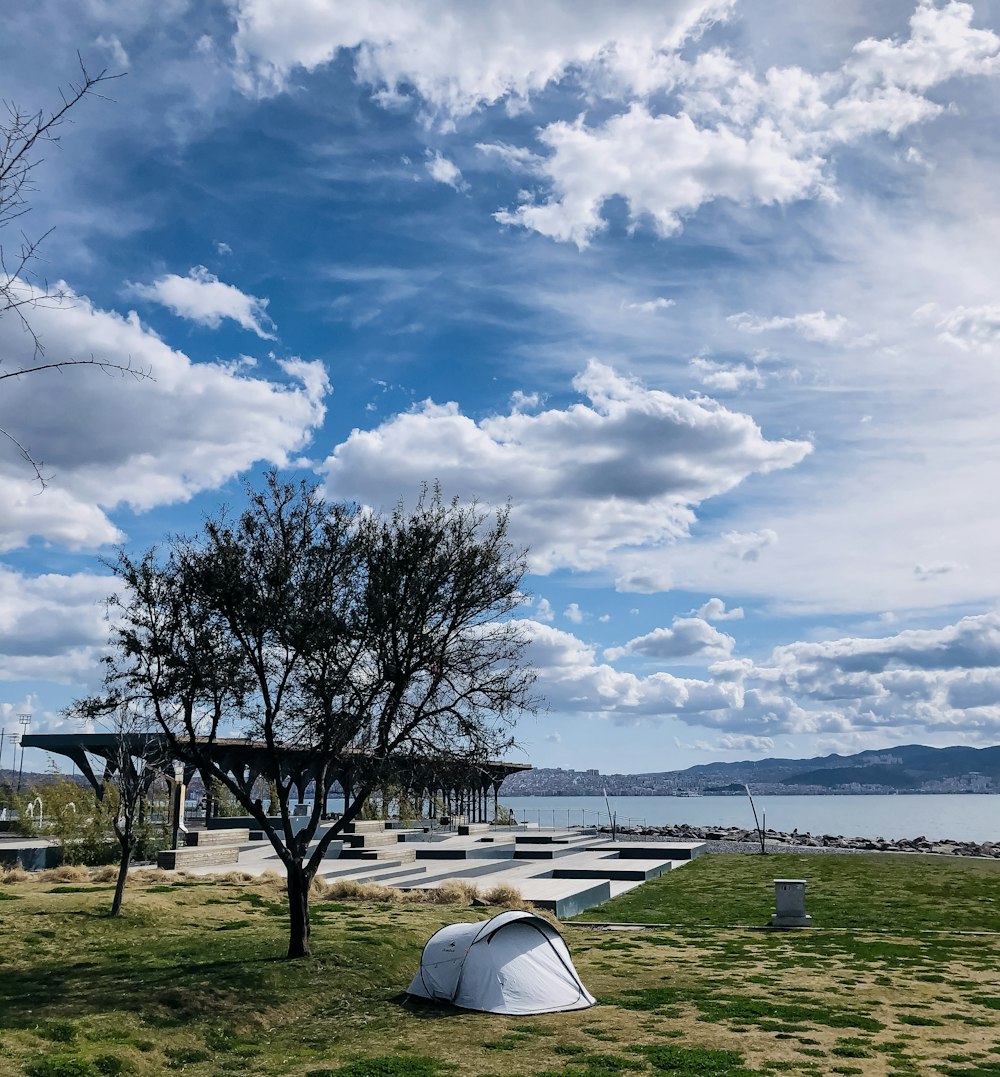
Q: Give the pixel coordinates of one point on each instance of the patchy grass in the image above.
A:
(192, 980)
(899, 893)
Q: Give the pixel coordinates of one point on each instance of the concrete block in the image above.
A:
(790, 904)
(202, 838)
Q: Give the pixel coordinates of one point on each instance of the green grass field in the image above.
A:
(891, 981)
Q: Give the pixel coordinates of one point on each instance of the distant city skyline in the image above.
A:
(705, 290)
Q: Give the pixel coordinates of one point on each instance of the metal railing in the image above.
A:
(567, 818)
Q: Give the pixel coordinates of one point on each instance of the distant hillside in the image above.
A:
(910, 768)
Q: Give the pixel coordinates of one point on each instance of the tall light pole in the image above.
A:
(25, 720)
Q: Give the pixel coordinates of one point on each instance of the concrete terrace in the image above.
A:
(563, 871)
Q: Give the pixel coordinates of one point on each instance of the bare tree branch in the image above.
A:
(22, 134)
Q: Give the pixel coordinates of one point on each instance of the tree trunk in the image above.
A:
(126, 858)
(298, 910)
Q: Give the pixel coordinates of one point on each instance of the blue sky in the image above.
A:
(705, 288)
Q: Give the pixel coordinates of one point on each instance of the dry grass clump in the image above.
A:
(106, 874)
(351, 889)
(507, 897)
(154, 876)
(452, 892)
(14, 875)
(231, 877)
(65, 873)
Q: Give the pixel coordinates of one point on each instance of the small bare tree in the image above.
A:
(22, 135)
(132, 769)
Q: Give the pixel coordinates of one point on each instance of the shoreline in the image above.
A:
(801, 842)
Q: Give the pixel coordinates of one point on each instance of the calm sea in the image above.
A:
(965, 817)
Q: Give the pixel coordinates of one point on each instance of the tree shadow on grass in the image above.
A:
(159, 993)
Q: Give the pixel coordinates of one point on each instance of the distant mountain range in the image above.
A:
(910, 768)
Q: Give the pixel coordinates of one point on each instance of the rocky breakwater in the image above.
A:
(739, 836)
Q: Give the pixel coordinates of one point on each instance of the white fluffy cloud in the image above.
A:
(943, 43)
(726, 377)
(572, 681)
(477, 55)
(52, 627)
(573, 613)
(715, 610)
(664, 166)
(627, 468)
(968, 328)
(108, 441)
(203, 298)
(687, 637)
(445, 171)
(750, 139)
(907, 684)
(743, 742)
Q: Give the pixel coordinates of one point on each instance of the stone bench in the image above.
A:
(192, 856)
(472, 828)
(217, 837)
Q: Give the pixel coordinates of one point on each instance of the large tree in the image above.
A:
(324, 634)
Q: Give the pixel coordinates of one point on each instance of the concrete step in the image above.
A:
(234, 836)
(365, 826)
(551, 850)
(399, 853)
(372, 840)
(628, 869)
(194, 856)
(476, 852)
(376, 872)
(478, 870)
(652, 850)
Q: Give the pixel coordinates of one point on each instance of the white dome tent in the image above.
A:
(515, 963)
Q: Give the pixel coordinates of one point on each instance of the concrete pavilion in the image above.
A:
(455, 785)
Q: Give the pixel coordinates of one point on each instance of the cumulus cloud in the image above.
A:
(715, 610)
(445, 171)
(968, 328)
(943, 43)
(53, 626)
(477, 56)
(905, 685)
(743, 742)
(816, 325)
(544, 610)
(690, 128)
(573, 613)
(731, 134)
(726, 377)
(201, 297)
(629, 467)
(664, 166)
(689, 636)
(141, 442)
(572, 681)
(972, 643)
(748, 545)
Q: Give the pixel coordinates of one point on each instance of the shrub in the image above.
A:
(60, 1066)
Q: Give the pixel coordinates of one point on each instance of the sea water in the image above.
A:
(964, 817)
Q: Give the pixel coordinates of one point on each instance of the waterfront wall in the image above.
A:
(789, 841)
